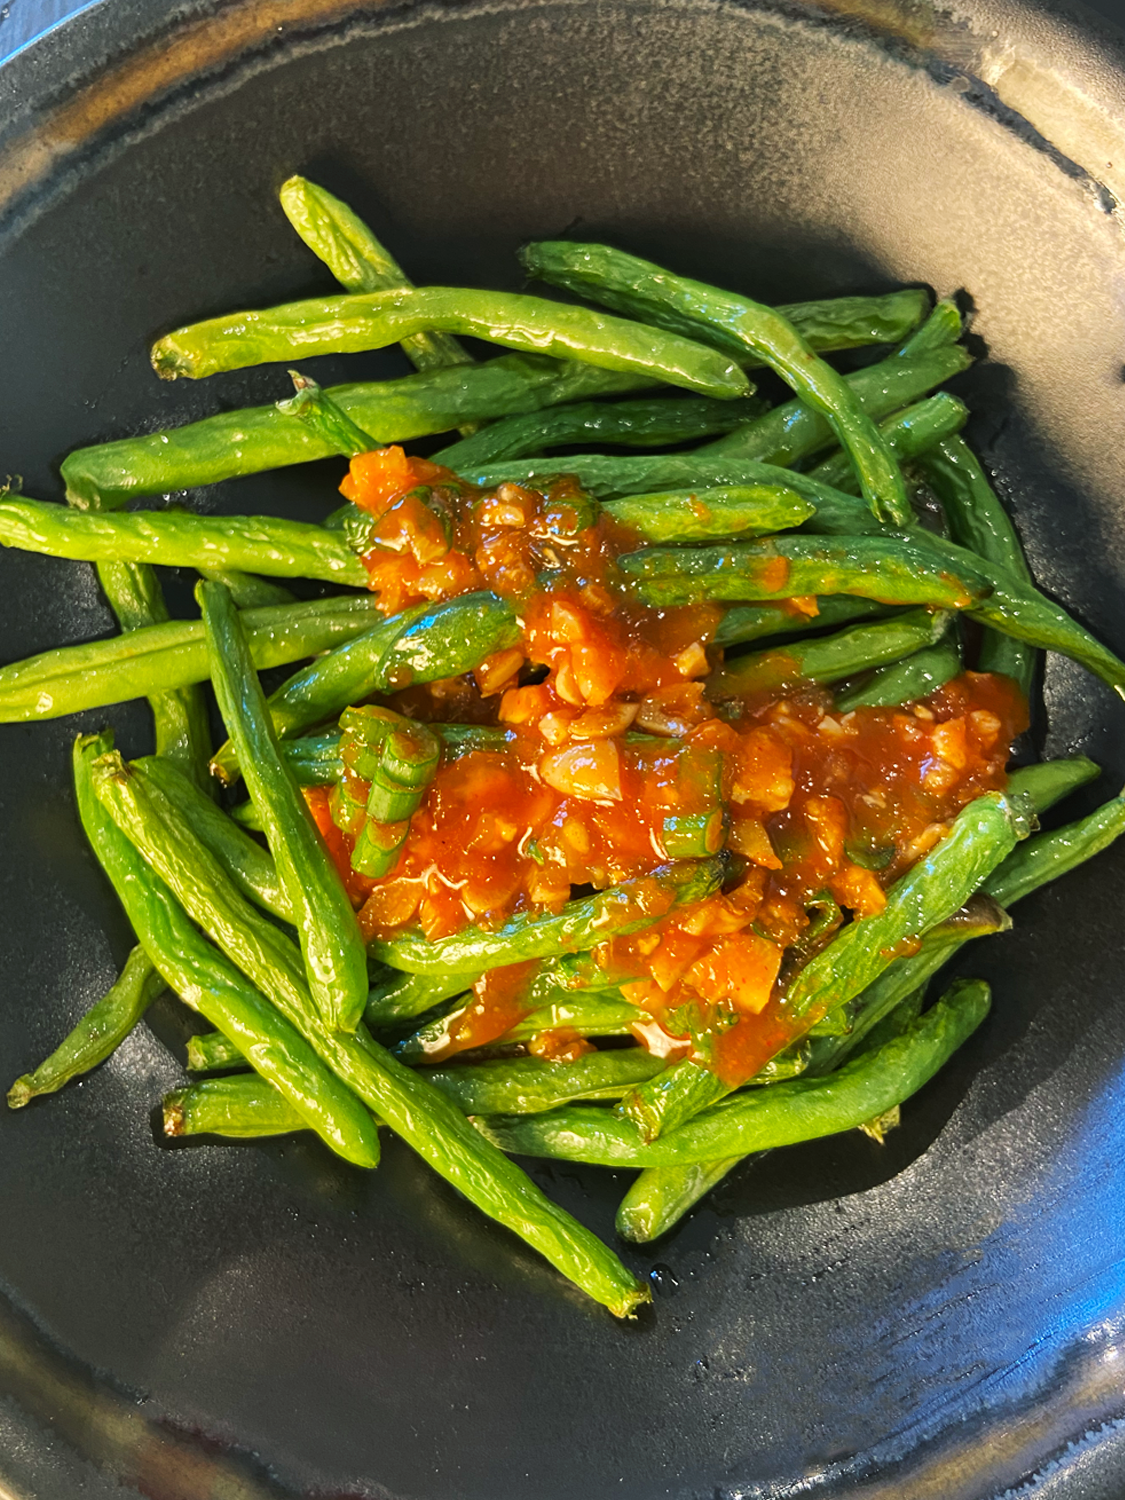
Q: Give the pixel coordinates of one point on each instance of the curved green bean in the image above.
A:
(797, 1109)
(372, 320)
(178, 539)
(581, 924)
(331, 944)
(155, 657)
(979, 522)
(100, 1031)
(359, 261)
(828, 658)
(210, 984)
(915, 676)
(420, 645)
(908, 433)
(735, 324)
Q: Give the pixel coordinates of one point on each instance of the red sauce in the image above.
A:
(824, 810)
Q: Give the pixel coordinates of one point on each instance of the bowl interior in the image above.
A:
(835, 1311)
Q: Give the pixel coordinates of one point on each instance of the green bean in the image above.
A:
(655, 423)
(392, 411)
(610, 478)
(247, 591)
(425, 1120)
(261, 544)
(210, 1051)
(664, 1103)
(211, 985)
(979, 522)
(327, 419)
(372, 320)
(661, 1196)
(315, 759)
(331, 944)
(179, 713)
(981, 835)
(600, 1012)
(896, 568)
(100, 1031)
(249, 865)
(401, 997)
(702, 514)
(735, 325)
(798, 1109)
(244, 1108)
(420, 645)
(359, 261)
(909, 433)
(145, 661)
(943, 327)
(627, 907)
(742, 623)
(794, 431)
(833, 323)
(915, 676)
(913, 567)
(827, 658)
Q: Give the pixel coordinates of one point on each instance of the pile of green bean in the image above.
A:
(308, 1028)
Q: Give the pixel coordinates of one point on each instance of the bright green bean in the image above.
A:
(243, 1108)
(259, 544)
(100, 1031)
(247, 591)
(210, 1051)
(145, 661)
(359, 261)
(372, 320)
(703, 514)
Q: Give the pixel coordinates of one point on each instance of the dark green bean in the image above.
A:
(315, 759)
(203, 978)
(798, 1109)
(833, 323)
(428, 1122)
(372, 320)
(249, 865)
(794, 431)
(979, 522)
(401, 997)
(981, 835)
(260, 544)
(331, 944)
(359, 261)
(943, 327)
(551, 1006)
(144, 661)
(655, 423)
(742, 623)
(392, 411)
(100, 1031)
(661, 1196)
(734, 324)
(908, 433)
(827, 658)
(627, 907)
(915, 676)
(420, 645)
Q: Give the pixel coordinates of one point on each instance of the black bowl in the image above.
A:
(938, 1316)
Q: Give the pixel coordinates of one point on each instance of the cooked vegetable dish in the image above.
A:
(629, 798)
